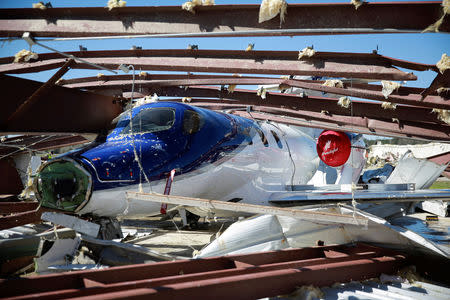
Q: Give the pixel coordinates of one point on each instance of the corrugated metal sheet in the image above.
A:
(374, 290)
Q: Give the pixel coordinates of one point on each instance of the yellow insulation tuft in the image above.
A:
(186, 99)
(39, 5)
(250, 47)
(442, 90)
(344, 102)
(389, 87)
(334, 83)
(357, 3)
(190, 5)
(24, 56)
(442, 114)
(115, 3)
(262, 93)
(389, 105)
(435, 26)
(307, 52)
(269, 9)
(444, 63)
(143, 74)
(100, 75)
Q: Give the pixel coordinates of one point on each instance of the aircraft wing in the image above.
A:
(379, 193)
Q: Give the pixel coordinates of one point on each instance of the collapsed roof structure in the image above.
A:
(82, 107)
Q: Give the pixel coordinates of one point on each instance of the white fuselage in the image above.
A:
(245, 175)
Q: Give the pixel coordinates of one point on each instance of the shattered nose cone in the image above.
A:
(63, 184)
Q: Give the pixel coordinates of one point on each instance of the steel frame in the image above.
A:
(246, 276)
(222, 20)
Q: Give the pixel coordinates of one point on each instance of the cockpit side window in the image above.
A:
(151, 120)
(192, 122)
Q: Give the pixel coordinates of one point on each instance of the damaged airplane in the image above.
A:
(215, 155)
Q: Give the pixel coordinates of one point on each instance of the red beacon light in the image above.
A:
(333, 147)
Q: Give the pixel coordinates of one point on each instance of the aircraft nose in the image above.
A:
(63, 184)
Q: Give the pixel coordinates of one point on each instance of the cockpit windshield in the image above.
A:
(151, 120)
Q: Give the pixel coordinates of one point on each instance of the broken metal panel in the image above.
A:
(419, 171)
(63, 110)
(40, 92)
(349, 65)
(245, 276)
(232, 20)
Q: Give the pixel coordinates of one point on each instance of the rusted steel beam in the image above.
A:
(189, 80)
(442, 80)
(348, 65)
(15, 207)
(63, 110)
(21, 218)
(231, 20)
(41, 91)
(358, 91)
(314, 104)
(374, 127)
(297, 266)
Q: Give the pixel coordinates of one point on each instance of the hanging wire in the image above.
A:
(136, 157)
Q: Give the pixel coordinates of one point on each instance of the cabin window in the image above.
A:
(277, 139)
(152, 120)
(263, 138)
(192, 122)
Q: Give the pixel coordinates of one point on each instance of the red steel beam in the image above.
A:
(231, 20)
(314, 104)
(364, 91)
(21, 218)
(15, 207)
(63, 110)
(200, 276)
(348, 65)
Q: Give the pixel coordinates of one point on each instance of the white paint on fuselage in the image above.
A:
(247, 173)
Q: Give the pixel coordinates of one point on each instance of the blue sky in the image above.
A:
(424, 48)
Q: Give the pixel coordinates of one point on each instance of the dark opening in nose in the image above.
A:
(64, 186)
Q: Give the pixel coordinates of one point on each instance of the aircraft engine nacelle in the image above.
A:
(333, 147)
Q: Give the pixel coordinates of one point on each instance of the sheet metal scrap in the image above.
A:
(241, 20)
(247, 276)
